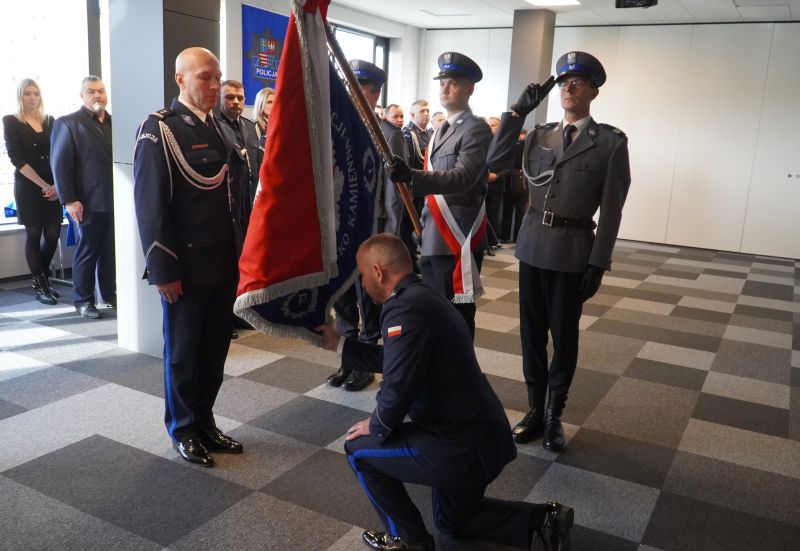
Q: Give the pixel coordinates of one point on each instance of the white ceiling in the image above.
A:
(438, 14)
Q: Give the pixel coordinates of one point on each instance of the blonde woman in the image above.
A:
(262, 108)
(27, 135)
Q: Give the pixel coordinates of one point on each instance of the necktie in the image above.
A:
(568, 135)
(444, 128)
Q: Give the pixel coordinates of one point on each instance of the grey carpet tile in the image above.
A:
(123, 367)
(768, 290)
(666, 374)
(31, 520)
(11, 298)
(310, 420)
(586, 539)
(707, 527)
(679, 291)
(701, 314)
(494, 340)
(662, 321)
(645, 411)
(242, 399)
(656, 334)
(743, 415)
(291, 374)
(512, 297)
(8, 409)
(638, 293)
(518, 478)
(732, 486)
(725, 273)
(512, 394)
(600, 352)
(619, 457)
(263, 522)
(44, 386)
(325, 483)
(763, 324)
(104, 328)
(81, 474)
(756, 361)
(677, 273)
(588, 389)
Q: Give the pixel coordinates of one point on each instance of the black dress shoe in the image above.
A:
(88, 311)
(385, 542)
(490, 252)
(234, 334)
(193, 451)
(553, 429)
(358, 380)
(215, 441)
(554, 532)
(531, 426)
(339, 377)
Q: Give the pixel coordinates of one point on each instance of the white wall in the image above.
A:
(12, 249)
(711, 116)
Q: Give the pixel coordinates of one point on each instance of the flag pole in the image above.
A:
(371, 121)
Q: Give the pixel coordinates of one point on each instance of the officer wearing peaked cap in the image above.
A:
(454, 184)
(188, 209)
(573, 168)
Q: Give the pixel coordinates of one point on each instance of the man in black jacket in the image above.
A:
(457, 440)
(80, 156)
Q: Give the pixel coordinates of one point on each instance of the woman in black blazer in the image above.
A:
(27, 135)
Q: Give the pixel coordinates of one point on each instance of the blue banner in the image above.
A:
(263, 33)
(357, 180)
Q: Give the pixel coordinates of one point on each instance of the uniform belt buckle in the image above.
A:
(547, 219)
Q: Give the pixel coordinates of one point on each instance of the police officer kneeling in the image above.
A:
(458, 438)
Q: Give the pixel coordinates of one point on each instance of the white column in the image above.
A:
(137, 76)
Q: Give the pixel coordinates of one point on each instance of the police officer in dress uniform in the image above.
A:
(355, 303)
(187, 204)
(454, 189)
(457, 439)
(573, 167)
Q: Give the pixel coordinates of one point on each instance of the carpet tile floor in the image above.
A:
(683, 423)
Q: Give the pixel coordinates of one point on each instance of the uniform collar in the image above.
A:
(199, 113)
(407, 280)
(580, 124)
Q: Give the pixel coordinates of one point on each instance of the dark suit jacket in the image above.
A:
(431, 374)
(249, 138)
(592, 173)
(189, 229)
(459, 173)
(393, 204)
(82, 163)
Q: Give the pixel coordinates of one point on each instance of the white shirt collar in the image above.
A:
(579, 125)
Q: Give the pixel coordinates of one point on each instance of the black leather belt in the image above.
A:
(551, 219)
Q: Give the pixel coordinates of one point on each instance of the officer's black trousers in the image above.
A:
(197, 335)
(353, 305)
(437, 272)
(94, 253)
(549, 300)
(455, 474)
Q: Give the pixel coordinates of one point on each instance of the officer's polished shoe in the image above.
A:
(215, 441)
(193, 451)
(385, 542)
(358, 380)
(339, 377)
(553, 430)
(234, 334)
(553, 534)
(88, 311)
(531, 426)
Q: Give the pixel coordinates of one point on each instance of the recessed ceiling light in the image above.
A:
(553, 3)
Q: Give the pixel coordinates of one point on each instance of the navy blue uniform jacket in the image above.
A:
(431, 374)
(82, 163)
(188, 229)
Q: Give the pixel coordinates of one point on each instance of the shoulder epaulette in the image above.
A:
(614, 129)
(162, 114)
(546, 125)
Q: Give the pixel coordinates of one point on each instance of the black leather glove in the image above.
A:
(400, 172)
(590, 284)
(532, 96)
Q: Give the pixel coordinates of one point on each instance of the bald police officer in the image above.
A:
(454, 186)
(573, 168)
(187, 203)
(437, 422)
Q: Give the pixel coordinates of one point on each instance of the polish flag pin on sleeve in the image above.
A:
(395, 331)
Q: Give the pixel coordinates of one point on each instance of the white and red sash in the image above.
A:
(467, 286)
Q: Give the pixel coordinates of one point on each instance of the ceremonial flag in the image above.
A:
(320, 186)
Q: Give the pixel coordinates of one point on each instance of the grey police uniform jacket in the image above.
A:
(593, 173)
(392, 203)
(460, 173)
(189, 229)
